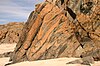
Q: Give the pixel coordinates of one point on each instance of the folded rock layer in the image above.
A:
(49, 33)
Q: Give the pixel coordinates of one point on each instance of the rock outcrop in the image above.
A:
(49, 33)
(10, 33)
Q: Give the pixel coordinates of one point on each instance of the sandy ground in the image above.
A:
(49, 62)
(7, 47)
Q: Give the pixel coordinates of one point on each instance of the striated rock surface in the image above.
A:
(10, 33)
(49, 33)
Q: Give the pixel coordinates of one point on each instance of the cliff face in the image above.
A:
(9, 33)
(49, 33)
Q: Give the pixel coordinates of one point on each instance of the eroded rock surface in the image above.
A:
(49, 33)
(9, 33)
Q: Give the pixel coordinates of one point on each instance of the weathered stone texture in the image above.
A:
(49, 33)
(9, 33)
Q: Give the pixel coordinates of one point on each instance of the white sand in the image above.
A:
(7, 47)
(3, 61)
(49, 62)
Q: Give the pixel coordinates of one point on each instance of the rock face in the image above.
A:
(49, 33)
(9, 33)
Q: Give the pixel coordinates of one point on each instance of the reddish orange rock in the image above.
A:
(49, 33)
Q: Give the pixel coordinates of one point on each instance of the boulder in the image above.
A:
(49, 33)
